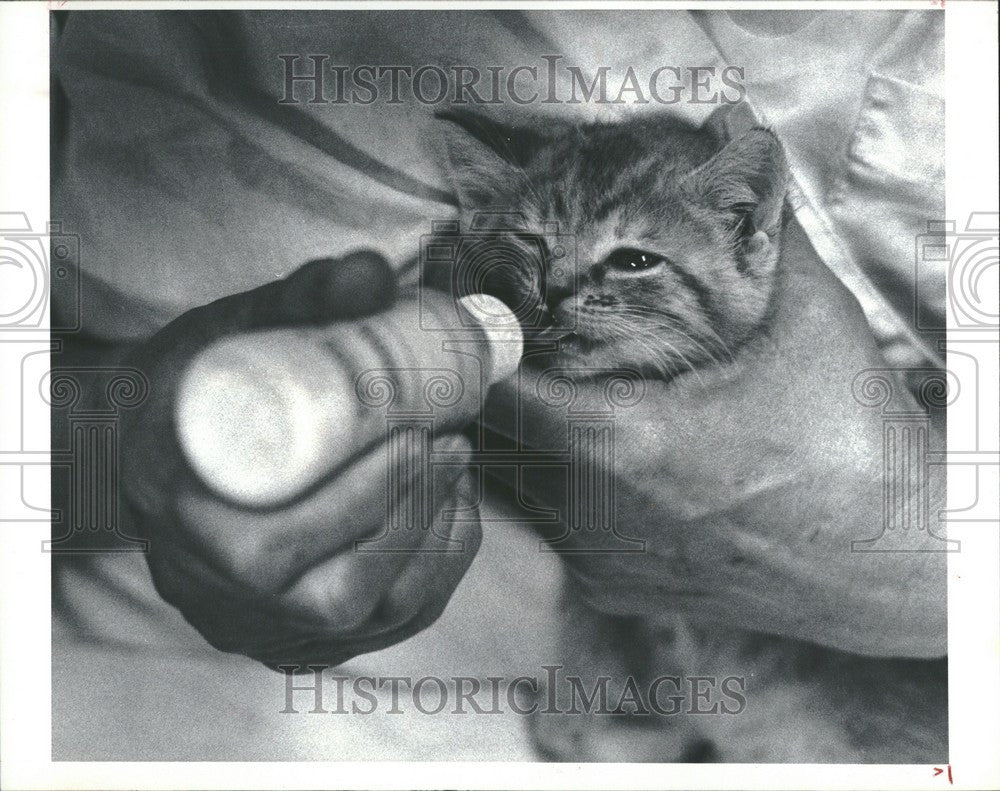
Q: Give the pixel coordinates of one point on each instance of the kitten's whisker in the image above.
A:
(529, 182)
(638, 336)
(658, 359)
(644, 341)
(668, 322)
(707, 353)
(677, 323)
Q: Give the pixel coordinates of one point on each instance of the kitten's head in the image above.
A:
(676, 234)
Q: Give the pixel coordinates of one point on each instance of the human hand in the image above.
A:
(748, 484)
(284, 584)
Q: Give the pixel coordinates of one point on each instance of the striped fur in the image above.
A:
(655, 185)
(714, 213)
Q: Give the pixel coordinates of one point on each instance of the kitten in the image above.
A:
(677, 237)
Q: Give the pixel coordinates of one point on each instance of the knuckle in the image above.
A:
(243, 552)
(340, 597)
(348, 618)
(249, 561)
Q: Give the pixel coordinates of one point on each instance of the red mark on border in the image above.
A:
(938, 770)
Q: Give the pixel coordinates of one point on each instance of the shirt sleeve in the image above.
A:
(187, 177)
(187, 180)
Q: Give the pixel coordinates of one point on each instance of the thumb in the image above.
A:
(327, 289)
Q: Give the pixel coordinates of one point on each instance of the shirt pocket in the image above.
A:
(897, 147)
(890, 185)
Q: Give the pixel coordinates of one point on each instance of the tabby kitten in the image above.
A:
(677, 237)
(676, 234)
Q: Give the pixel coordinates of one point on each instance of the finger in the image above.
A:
(319, 292)
(329, 289)
(267, 549)
(291, 628)
(222, 610)
(266, 628)
(426, 584)
(350, 585)
(263, 627)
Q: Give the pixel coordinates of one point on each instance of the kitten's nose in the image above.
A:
(558, 285)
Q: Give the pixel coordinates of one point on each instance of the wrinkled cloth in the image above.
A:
(187, 180)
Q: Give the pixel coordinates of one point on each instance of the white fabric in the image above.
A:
(187, 182)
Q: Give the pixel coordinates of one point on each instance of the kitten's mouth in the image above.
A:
(550, 333)
(568, 342)
(579, 341)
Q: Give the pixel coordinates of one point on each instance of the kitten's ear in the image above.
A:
(485, 156)
(749, 177)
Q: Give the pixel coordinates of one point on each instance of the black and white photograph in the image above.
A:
(574, 395)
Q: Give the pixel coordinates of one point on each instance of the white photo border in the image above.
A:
(974, 572)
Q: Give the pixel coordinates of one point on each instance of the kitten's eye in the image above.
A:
(633, 261)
